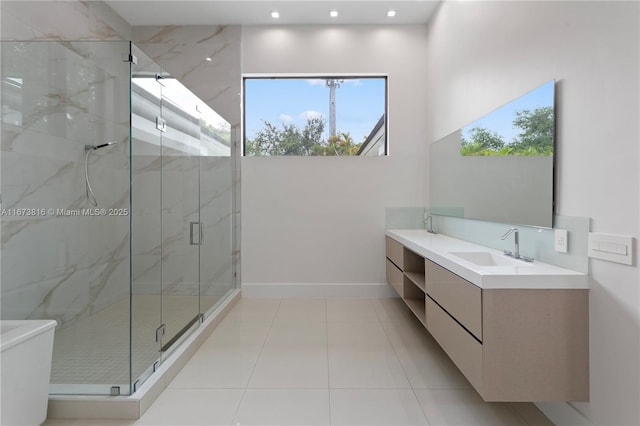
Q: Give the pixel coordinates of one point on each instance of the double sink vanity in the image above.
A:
(518, 331)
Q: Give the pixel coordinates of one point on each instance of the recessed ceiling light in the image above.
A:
(275, 15)
(391, 13)
(333, 13)
(208, 59)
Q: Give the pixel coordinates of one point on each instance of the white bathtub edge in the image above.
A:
(23, 331)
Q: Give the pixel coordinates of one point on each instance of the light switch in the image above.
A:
(611, 247)
(621, 249)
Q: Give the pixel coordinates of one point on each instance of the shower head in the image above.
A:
(94, 147)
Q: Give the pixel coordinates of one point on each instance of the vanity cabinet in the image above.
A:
(405, 273)
(512, 344)
(460, 298)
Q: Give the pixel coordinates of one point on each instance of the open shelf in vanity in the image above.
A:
(406, 270)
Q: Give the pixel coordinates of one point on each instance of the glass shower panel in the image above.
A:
(63, 257)
(146, 214)
(216, 264)
(181, 227)
(116, 198)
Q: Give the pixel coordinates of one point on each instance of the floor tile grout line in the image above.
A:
(378, 388)
(275, 388)
(326, 317)
(406, 376)
(517, 412)
(401, 342)
(386, 335)
(422, 408)
(509, 405)
(235, 414)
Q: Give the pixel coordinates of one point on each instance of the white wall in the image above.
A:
(482, 54)
(321, 220)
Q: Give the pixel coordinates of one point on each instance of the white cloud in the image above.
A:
(317, 82)
(286, 118)
(310, 114)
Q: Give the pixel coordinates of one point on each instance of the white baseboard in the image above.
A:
(333, 290)
(563, 414)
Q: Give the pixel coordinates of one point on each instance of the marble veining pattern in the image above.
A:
(61, 20)
(65, 95)
(182, 51)
(72, 93)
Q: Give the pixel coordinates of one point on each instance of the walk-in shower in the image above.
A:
(116, 192)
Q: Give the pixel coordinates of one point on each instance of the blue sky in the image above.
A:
(359, 103)
(501, 120)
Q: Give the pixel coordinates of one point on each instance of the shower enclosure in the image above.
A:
(116, 198)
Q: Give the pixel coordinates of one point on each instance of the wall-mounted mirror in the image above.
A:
(500, 167)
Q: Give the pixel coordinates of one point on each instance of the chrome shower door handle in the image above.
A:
(201, 232)
(195, 238)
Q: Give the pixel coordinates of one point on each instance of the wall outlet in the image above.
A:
(561, 240)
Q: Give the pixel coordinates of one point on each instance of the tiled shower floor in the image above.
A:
(95, 350)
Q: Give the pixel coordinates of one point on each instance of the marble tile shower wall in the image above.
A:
(182, 52)
(146, 222)
(61, 20)
(64, 95)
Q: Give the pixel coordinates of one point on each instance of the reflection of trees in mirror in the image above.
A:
(535, 138)
(288, 139)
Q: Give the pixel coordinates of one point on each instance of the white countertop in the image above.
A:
(521, 275)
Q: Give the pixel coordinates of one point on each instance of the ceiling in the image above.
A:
(258, 12)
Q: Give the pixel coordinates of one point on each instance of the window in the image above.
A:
(315, 116)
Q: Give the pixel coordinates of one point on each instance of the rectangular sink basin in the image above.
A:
(485, 258)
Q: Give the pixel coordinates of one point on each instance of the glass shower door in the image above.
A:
(146, 216)
(127, 271)
(181, 226)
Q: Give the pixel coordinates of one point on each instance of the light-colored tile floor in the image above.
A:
(322, 362)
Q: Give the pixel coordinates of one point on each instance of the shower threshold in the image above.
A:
(133, 406)
(179, 334)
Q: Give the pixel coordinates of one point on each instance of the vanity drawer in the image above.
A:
(395, 252)
(456, 295)
(395, 277)
(462, 348)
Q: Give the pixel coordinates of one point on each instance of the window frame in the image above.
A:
(306, 76)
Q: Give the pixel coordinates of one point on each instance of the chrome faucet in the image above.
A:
(429, 220)
(516, 253)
